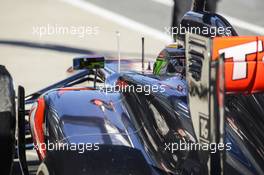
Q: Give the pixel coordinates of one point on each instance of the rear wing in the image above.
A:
(215, 67)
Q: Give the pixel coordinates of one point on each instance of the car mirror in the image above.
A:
(88, 62)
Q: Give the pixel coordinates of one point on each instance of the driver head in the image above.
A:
(171, 60)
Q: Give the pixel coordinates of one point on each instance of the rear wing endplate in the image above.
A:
(205, 79)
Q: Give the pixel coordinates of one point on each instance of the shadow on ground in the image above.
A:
(67, 49)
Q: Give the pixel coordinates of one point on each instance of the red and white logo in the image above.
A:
(239, 54)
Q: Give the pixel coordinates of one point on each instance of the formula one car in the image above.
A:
(198, 113)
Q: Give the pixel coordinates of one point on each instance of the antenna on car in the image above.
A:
(149, 66)
(143, 54)
(118, 49)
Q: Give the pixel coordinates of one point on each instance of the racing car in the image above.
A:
(203, 91)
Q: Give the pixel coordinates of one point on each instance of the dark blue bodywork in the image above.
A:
(149, 123)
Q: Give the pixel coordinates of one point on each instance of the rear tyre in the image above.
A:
(7, 121)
